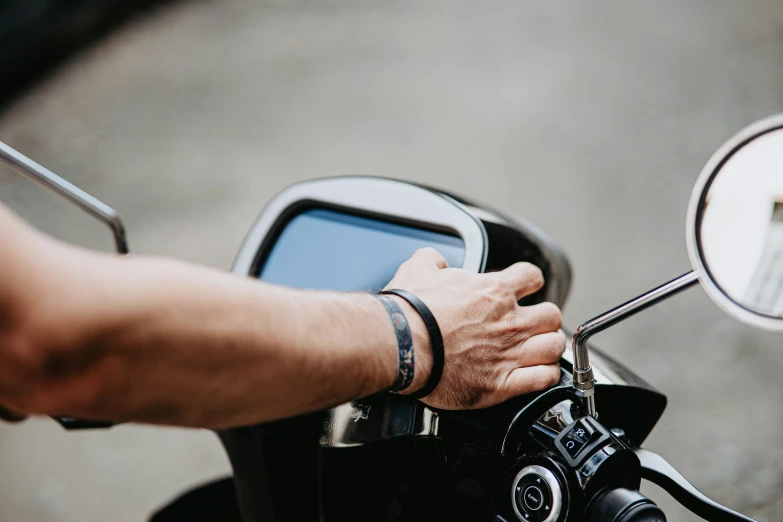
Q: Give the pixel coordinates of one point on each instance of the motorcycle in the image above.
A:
(570, 453)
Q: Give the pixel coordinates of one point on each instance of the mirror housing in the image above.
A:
(732, 233)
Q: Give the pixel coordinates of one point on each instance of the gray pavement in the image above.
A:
(591, 119)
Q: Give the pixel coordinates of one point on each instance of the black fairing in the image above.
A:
(392, 462)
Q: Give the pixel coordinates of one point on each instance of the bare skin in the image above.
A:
(152, 340)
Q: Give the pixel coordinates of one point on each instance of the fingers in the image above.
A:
(523, 278)
(530, 379)
(429, 255)
(425, 259)
(540, 349)
(539, 369)
(540, 318)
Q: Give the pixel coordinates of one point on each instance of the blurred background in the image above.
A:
(591, 119)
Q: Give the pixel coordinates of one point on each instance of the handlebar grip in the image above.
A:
(623, 505)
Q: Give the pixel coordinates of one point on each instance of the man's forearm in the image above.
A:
(206, 349)
(141, 339)
(161, 341)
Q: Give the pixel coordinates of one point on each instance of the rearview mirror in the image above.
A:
(735, 242)
(735, 225)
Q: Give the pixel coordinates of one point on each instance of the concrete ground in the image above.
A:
(591, 119)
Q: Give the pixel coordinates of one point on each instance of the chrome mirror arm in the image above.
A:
(584, 382)
(48, 179)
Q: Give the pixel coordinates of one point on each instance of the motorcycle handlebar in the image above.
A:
(623, 505)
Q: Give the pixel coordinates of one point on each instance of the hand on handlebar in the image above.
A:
(494, 348)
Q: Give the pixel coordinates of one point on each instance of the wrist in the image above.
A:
(384, 358)
(422, 351)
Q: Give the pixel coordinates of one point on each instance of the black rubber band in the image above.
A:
(436, 340)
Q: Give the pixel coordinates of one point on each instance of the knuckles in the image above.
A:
(516, 324)
(513, 329)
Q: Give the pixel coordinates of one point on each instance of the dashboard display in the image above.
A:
(330, 250)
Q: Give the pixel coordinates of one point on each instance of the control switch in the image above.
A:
(536, 495)
(579, 436)
(580, 439)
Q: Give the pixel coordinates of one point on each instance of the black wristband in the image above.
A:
(436, 340)
(405, 367)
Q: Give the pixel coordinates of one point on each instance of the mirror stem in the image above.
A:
(48, 179)
(584, 382)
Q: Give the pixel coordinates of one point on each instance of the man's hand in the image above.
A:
(494, 348)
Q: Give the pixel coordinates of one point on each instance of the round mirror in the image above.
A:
(735, 225)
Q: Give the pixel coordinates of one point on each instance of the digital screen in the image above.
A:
(327, 250)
